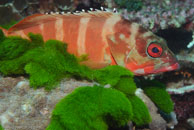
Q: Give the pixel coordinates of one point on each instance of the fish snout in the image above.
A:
(170, 62)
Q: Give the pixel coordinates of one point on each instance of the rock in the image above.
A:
(39, 101)
(173, 120)
(8, 83)
(21, 88)
(3, 2)
(62, 3)
(24, 107)
(158, 123)
(32, 1)
(31, 9)
(184, 105)
(190, 121)
(7, 15)
(20, 4)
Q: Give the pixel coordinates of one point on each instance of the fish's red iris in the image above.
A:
(154, 50)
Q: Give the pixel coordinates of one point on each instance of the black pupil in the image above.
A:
(155, 50)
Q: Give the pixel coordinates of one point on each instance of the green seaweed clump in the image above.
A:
(156, 91)
(126, 85)
(1, 128)
(130, 5)
(140, 111)
(141, 114)
(99, 108)
(122, 79)
(91, 108)
(111, 74)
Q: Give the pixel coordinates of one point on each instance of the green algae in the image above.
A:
(126, 85)
(156, 91)
(111, 74)
(1, 128)
(13, 52)
(140, 111)
(91, 108)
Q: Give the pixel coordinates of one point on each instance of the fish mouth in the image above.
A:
(172, 67)
(167, 67)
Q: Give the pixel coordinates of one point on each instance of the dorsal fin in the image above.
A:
(37, 19)
(96, 13)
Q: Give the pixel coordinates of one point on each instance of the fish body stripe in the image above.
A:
(108, 28)
(94, 43)
(41, 27)
(59, 29)
(134, 31)
(83, 25)
(18, 33)
(22, 34)
(49, 30)
(71, 32)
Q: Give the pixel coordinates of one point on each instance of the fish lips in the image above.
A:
(163, 69)
(171, 67)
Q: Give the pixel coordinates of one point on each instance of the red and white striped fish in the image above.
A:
(106, 37)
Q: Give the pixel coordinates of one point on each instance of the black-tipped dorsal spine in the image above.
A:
(114, 10)
(84, 11)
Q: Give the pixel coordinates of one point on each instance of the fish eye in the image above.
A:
(154, 50)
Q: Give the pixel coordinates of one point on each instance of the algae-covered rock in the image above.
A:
(111, 74)
(157, 122)
(140, 111)
(1, 128)
(89, 108)
(126, 85)
(156, 91)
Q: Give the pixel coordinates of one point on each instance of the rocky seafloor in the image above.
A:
(24, 108)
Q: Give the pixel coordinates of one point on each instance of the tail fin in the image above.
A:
(4, 31)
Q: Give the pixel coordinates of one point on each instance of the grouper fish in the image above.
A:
(105, 37)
